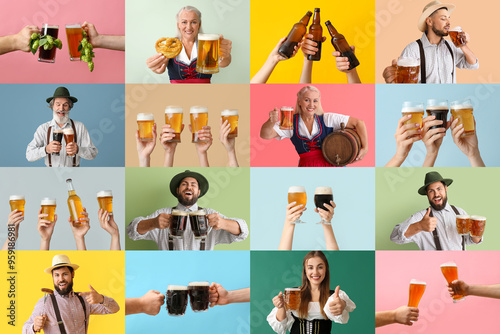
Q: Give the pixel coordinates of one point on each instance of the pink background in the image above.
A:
(438, 314)
(22, 67)
(352, 100)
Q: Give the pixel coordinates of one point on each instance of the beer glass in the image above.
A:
(286, 118)
(177, 300)
(463, 224)
(199, 119)
(105, 199)
(322, 196)
(49, 207)
(199, 296)
(478, 224)
(417, 289)
(48, 56)
(145, 123)
(17, 202)
(173, 117)
(457, 36)
(463, 111)
(450, 272)
(438, 108)
(407, 70)
(292, 298)
(416, 110)
(199, 224)
(208, 54)
(75, 35)
(69, 136)
(57, 135)
(297, 194)
(178, 224)
(232, 117)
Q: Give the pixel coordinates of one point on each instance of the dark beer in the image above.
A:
(199, 296)
(177, 300)
(57, 135)
(295, 36)
(321, 199)
(438, 108)
(178, 224)
(199, 223)
(340, 44)
(317, 31)
(48, 56)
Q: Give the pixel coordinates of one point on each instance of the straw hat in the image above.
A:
(61, 261)
(430, 8)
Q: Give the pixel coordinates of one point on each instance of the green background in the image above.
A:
(273, 271)
(147, 190)
(397, 199)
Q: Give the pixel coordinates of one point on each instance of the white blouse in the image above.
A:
(331, 120)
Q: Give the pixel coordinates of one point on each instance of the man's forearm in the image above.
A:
(384, 318)
(147, 225)
(491, 291)
(412, 230)
(231, 226)
(239, 296)
(469, 55)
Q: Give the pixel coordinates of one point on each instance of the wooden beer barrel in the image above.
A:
(342, 146)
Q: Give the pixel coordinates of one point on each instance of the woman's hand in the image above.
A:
(157, 63)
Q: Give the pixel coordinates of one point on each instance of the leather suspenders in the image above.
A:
(436, 236)
(58, 313)
(423, 74)
(48, 141)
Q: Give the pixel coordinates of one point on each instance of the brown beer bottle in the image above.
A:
(316, 30)
(74, 204)
(341, 45)
(295, 36)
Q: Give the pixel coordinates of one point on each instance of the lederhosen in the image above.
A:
(58, 314)
(48, 141)
(316, 326)
(423, 74)
(171, 240)
(436, 236)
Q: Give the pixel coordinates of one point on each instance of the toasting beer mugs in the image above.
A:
(145, 123)
(69, 136)
(75, 35)
(286, 118)
(199, 296)
(199, 119)
(199, 224)
(417, 289)
(232, 117)
(57, 135)
(178, 224)
(407, 70)
(457, 36)
(297, 194)
(17, 202)
(416, 110)
(463, 111)
(105, 199)
(450, 272)
(322, 196)
(49, 207)
(438, 108)
(477, 226)
(177, 300)
(208, 54)
(463, 224)
(48, 56)
(173, 117)
(292, 298)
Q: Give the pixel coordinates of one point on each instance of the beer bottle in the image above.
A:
(341, 45)
(295, 36)
(74, 204)
(317, 31)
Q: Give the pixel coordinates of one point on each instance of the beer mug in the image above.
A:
(49, 207)
(232, 117)
(417, 289)
(407, 70)
(178, 223)
(177, 300)
(48, 56)
(199, 224)
(292, 298)
(145, 123)
(199, 119)
(463, 224)
(286, 118)
(173, 117)
(57, 135)
(208, 54)
(105, 199)
(75, 35)
(322, 196)
(297, 194)
(69, 136)
(17, 202)
(463, 110)
(478, 223)
(416, 110)
(450, 273)
(438, 108)
(457, 36)
(199, 296)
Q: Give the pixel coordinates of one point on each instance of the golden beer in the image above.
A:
(199, 119)
(463, 224)
(17, 202)
(464, 112)
(74, 204)
(173, 117)
(297, 194)
(69, 135)
(105, 199)
(286, 118)
(417, 289)
(292, 298)
(457, 36)
(232, 117)
(49, 207)
(208, 54)
(477, 226)
(416, 110)
(407, 70)
(74, 34)
(450, 272)
(145, 123)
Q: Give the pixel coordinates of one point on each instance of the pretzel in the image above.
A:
(169, 47)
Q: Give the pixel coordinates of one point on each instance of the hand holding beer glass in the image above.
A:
(298, 195)
(45, 55)
(286, 118)
(458, 36)
(292, 298)
(145, 123)
(463, 111)
(57, 136)
(69, 137)
(17, 202)
(322, 197)
(173, 118)
(407, 70)
(417, 289)
(208, 53)
(199, 119)
(450, 272)
(48, 207)
(416, 110)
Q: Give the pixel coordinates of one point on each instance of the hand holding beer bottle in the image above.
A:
(81, 229)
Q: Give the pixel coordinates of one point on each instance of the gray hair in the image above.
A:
(51, 103)
(188, 9)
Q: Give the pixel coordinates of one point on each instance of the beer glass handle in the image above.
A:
(220, 41)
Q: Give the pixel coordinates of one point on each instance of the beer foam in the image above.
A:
(461, 104)
(458, 28)
(199, 284)
(68, 131)
(46, 26)
(478, 218)
(407, 62)
(323, 191)
(58, 131)
(449, 264)
(463, 216)
(414, 281)
(73, 26)
(297, 189)
(145, 117)
(198, 110)
(411, 110)
(197, 213)
(173, 110)
(16, 197)
(286, 108)
(292, 289)
(229, 112)
(48, 201)
(177, 287)
(176, 212)
(208, 37)
(437, 108)
(104, 193)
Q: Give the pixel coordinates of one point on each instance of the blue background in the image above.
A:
(353, 221)
(100, 107)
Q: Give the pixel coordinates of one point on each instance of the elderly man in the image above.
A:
(43, 144)
(66, 311)
(438, 57)
(187, 187)
(434, 228)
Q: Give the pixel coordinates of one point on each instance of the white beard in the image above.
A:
(60, 120)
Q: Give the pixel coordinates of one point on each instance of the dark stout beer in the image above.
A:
(199, 296)
(199, 223)
(177, 300)
(178, 225)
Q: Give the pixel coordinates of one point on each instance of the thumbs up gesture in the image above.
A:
(92, 296)
(337, 305)
(428, 223)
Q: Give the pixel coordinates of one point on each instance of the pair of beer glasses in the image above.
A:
(322, 196)
(18, 202)
(74, 33)
(198, 220)
(177, 298)
(473, 225)
(461, 109)
(69, 137)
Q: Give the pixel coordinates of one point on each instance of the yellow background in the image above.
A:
(104, 270)
(272, 20)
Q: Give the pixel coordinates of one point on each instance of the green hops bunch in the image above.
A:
(47, 42)
(86, 53)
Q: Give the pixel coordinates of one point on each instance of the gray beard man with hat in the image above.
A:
(55, 154)
(438, 57)
(187, 187)
(66, 311)
(434, 228)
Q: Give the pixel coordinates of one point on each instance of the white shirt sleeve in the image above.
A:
(86, 148)
(461, 61)
(349, 307)
(36, 148)
(283, 134)
(280, 327)
(398, 233)
(225, 237)
(154, 234)
(333, 120)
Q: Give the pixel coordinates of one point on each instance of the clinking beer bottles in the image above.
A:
(317, 31)
(74, 204)
(295, 36)
(341, 45)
